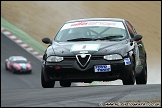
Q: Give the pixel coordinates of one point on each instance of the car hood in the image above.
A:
(20, 65)
(92, 47)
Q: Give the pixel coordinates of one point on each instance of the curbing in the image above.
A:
(21, 43)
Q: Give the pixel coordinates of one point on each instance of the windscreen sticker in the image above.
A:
(85, 47)
(127, 61)
(93, 23)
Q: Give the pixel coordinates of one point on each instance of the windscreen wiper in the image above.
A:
(109, 37)
(80, 39)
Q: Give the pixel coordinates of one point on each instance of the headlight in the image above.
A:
(54, 59)
(113, 57)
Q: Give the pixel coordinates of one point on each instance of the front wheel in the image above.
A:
(88, 81)
(6, 66)
(129, 74)
(46, 84)
(141, 78)
(13, 70)
(30, 72)
(65, 83)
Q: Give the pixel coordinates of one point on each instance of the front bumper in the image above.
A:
(23, 71)
(73, 71)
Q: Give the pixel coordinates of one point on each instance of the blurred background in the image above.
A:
(44, 18)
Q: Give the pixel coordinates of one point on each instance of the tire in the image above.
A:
(65, 83)
(88, 81)
(30, 72)
(13, 70)
(141, 78)
(129, 74)
(46, 84)
(6, 66)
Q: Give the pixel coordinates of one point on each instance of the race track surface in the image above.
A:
(87, 96)
(24, 90)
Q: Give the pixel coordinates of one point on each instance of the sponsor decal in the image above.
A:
(94, 23)
(127, 61)
(102, 68)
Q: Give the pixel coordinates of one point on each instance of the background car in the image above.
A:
(94, 49)
(18, 64)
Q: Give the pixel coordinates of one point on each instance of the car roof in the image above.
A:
(96, 19)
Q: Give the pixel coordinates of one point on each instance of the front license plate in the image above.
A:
(102, 68)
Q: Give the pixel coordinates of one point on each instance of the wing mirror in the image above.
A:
(46, 41)
(137, 37)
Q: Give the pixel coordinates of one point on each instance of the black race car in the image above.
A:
(94, 49)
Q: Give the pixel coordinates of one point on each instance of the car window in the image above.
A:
(98, 29)
(108, 31)
(10, 59)
(131, 29)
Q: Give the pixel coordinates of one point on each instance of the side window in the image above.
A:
(131, 30)
(134, 31)
(10, 59)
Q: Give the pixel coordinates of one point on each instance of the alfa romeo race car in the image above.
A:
(18, 64)
(94, 49)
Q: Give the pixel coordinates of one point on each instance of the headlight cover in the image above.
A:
(54, 59)
(113, 57)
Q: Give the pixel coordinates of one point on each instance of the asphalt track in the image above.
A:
(24, 90)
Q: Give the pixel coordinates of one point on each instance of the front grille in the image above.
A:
(69, 58)
(83, 61)
(23, 68)
(95, 57)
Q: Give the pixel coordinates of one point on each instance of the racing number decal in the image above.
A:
(85, 47)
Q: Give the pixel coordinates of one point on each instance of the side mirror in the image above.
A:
(6, 60)
(137, 37)
(46, 41)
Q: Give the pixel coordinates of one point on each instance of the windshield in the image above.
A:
(20, 61)
(93, 30)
